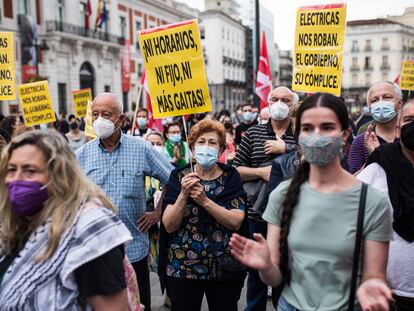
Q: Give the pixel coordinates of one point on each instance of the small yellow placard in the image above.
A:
(88, 121)
(319, 44)
(36, 104)
(7, 78)
(80, 100)
(407, 75)
(174, 64)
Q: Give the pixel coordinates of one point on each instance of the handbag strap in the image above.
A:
(357, 249)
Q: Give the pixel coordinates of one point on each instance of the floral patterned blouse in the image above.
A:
(190, 249)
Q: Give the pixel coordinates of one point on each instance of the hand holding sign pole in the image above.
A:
(174, 64)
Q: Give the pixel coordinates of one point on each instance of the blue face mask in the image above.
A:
(206, 156)
(383, 111)
(174, 139)
(247, 116)
(142, 122)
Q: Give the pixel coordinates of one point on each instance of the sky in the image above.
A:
(284, 12)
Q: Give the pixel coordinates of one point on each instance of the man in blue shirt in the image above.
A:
(118, 163)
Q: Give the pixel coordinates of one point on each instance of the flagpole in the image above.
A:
(188, 145)
(136, 109)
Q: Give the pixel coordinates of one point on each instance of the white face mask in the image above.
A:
(160, 149)
(103, 128)
(279, 111)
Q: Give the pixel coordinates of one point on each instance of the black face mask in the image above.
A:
(227, 125)
(407, 135)
(73, 126)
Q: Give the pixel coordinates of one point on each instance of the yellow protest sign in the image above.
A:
(319, 43)
(36, 104)
(88, 120)
(80, 100)
(7, 80)
(175, 71)
(407, 75)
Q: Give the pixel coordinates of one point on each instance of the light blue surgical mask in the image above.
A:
(175, 139)
(383, 111)
(254, 115)
(206, 156)
(247, 116)
(142, 122)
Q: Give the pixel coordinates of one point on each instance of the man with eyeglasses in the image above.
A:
(384, 100)
(261, 144)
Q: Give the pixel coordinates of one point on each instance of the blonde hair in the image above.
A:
(68, 187)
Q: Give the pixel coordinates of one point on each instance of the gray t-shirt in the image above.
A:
(322, 239)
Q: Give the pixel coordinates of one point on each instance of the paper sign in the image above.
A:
(88, 121)
(174, 65)
(319, 43)
(80, 100)
(407, 75)
(36, 104)
(7, 78)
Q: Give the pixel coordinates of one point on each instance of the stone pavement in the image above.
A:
(157, 300)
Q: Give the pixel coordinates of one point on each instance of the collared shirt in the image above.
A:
(121, 175)
(251, 151)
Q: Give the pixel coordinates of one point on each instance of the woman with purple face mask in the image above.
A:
(61, 245)
(312, 221)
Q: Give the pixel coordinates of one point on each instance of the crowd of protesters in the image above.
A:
(270, 199)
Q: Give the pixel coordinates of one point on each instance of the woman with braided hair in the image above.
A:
(312, 221)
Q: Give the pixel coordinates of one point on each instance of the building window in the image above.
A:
(367, 63)
(139, 70)
(82, 14)
(122, 26)
(23, 7)
(385, 45)
(62, 98)
(354, 46)
(8, 8)
(384, 76)
(368, 46)
(107, 88)
(59, 7)
(202, 33)
(385, 60)
(354, 61)
(354, 80)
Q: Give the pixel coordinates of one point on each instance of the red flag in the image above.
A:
(126, 67)
(155, 124)
(263, 79)
(397, 80)
(88, 13)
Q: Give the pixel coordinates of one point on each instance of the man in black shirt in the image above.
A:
(261, 143)
(248, 120)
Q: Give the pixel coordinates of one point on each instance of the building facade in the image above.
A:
(374, 51)
(224, 44)
(72, 53)
(285, 68)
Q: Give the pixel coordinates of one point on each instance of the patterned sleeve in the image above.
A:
(356, 157)
(238, 203)
(244, 153)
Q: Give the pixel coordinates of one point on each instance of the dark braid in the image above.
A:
(336, 104)
(288, 205)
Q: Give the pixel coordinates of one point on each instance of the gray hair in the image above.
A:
(295, 97)
(115, 99)
(397, 89)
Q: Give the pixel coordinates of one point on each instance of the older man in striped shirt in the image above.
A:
(260, 144)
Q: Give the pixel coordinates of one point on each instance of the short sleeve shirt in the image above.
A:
(322, 239)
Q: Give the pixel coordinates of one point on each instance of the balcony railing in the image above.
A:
(385, 47)
(52, 26)
(368, 67)
(385, 66)
(354, 68)
(368, 48)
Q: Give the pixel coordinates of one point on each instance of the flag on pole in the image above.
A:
(263, 79)
(88, 13)
(101, 14)
(397, 80)
(155, 124)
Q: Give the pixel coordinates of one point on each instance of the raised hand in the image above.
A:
(254, 254)
(187, 182)
(374, 295)
(371, 139)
